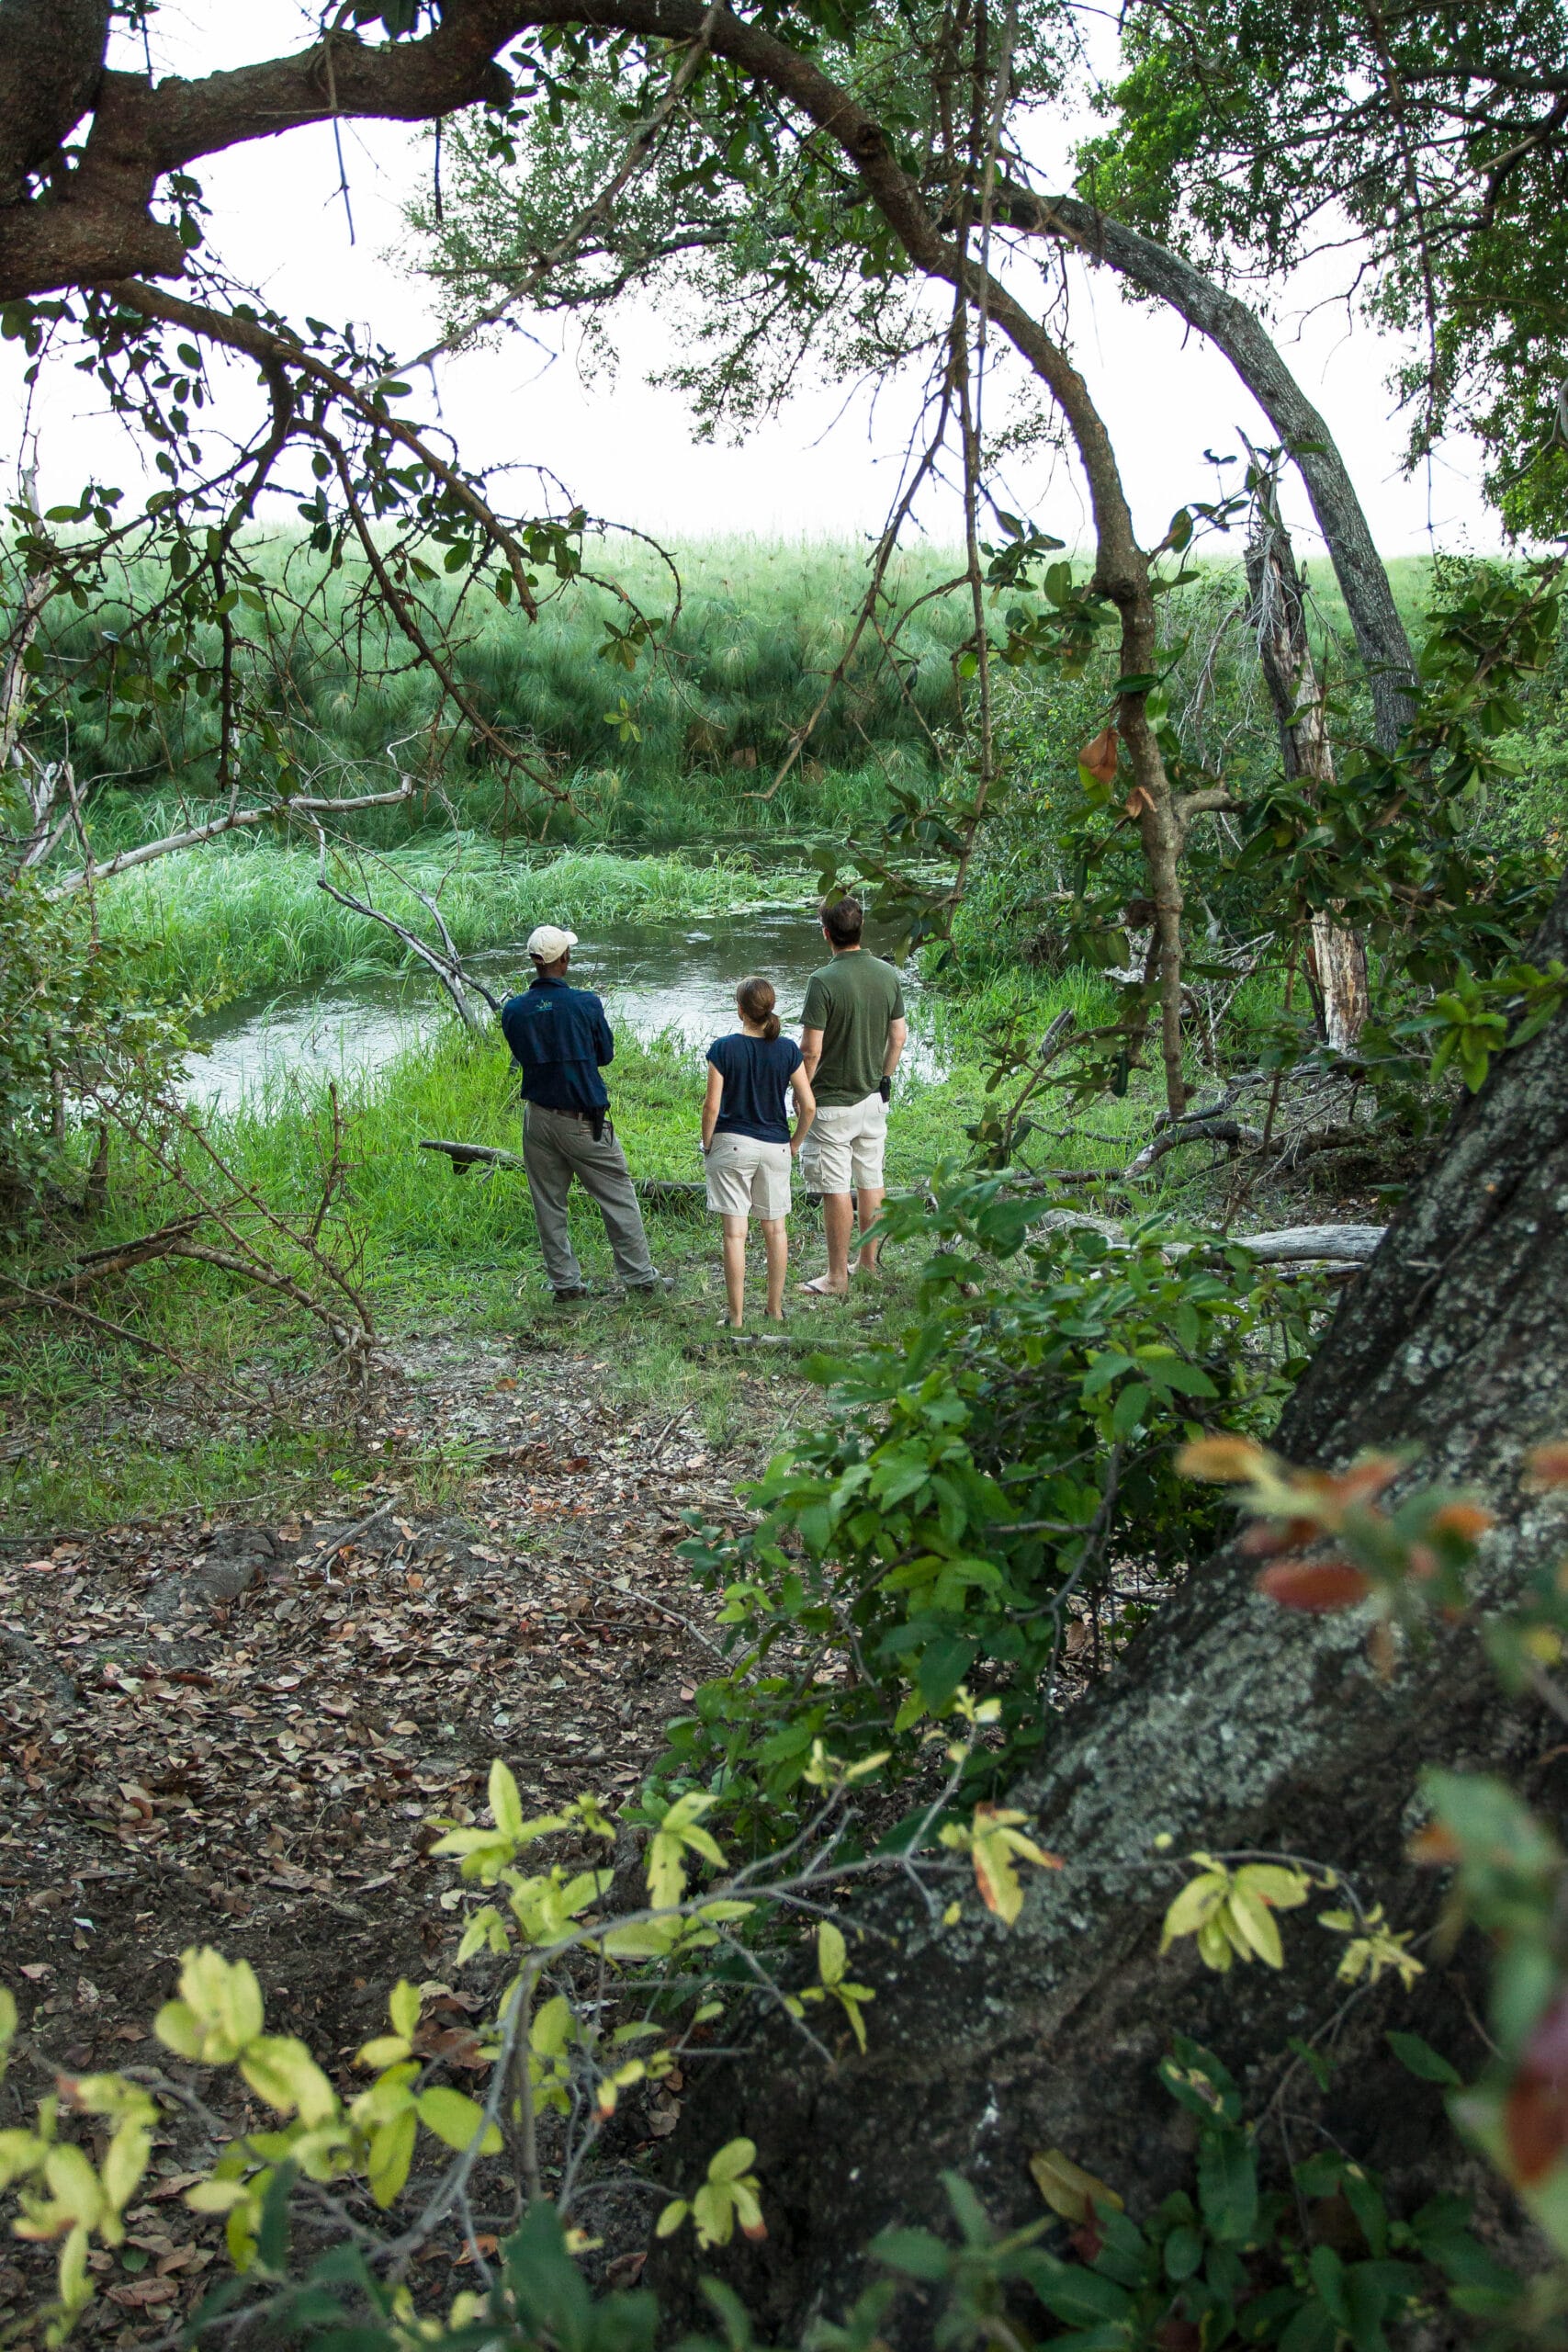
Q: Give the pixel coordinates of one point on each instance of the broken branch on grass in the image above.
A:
(254, 1269)
(445, 961)
(1201, 1127)
(245, 1259)
(98, 1322)
(96, 1265)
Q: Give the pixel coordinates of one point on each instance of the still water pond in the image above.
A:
(677, 979)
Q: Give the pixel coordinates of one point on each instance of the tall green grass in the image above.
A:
(679, 747)
(249, 919)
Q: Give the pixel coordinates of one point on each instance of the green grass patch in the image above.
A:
(67, 1483)
(438, 1254)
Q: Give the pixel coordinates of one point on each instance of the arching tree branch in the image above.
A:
(1241, 336)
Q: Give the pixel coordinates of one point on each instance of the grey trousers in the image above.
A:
(555, 1148)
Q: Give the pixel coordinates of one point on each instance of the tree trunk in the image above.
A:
(1279, 615)
(54, 53)
(1231, 1725)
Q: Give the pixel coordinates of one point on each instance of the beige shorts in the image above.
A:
(747, 1178)
(843, 1151)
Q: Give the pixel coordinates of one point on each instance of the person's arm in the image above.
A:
(813, 1022)
(711, 1105)
(897, 1038)
(805, 1104)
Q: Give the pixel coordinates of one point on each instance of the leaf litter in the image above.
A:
(236, 1733)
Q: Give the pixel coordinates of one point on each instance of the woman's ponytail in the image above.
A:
(756, 1000)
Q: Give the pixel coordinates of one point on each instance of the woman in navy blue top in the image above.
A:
(746, 1140)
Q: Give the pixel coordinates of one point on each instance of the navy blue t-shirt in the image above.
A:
(756, 1073)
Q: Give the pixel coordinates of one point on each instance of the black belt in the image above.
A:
(597, 1121)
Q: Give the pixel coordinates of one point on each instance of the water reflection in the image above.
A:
(654, 978)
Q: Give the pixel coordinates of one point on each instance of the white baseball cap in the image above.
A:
(548, 943)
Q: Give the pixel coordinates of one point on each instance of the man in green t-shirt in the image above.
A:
(852, 1032)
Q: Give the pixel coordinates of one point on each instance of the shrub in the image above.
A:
(966, 1486)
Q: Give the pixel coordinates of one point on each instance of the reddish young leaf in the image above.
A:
(1547, 1466)
(1224, 1457)
(1097, 757)
(1535, 2114)
(1534, 2125)
(1365, 1479)
(1177, 2335)
(1469, 1519)
(1265, 1537)
(1088, 2239)
(1317, 1586)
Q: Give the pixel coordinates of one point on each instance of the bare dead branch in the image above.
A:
(273, 812)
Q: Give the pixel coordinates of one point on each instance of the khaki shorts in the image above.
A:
(747, 1177)
(843, 1151)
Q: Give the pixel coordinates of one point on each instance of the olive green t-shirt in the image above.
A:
(851, 1000)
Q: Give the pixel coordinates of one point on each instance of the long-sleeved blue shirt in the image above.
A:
(559, 1038)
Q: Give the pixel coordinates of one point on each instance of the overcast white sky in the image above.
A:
(628, 451)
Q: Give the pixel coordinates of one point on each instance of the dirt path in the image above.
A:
(236, 1734)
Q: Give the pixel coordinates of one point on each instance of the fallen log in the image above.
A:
(1330, 1245)
(464, 1156)
(1348, 1245)
(1309, 1244)
(1212, 1128)
(660, 1192)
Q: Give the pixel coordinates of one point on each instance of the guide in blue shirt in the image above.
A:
(561, 1040)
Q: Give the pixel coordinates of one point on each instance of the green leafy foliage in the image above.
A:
(963, 1485)
(1405, 846)
(1232, 2260)
(1233, 127)
(72, 1036)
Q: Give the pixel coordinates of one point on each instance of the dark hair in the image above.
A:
(756, 1000)
(842, 920)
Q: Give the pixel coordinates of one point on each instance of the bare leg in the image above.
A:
(734, 1267)
(775, 1234)
(870, 1199)
(838, 1224)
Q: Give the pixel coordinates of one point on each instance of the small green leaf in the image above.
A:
(1419, 2058)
